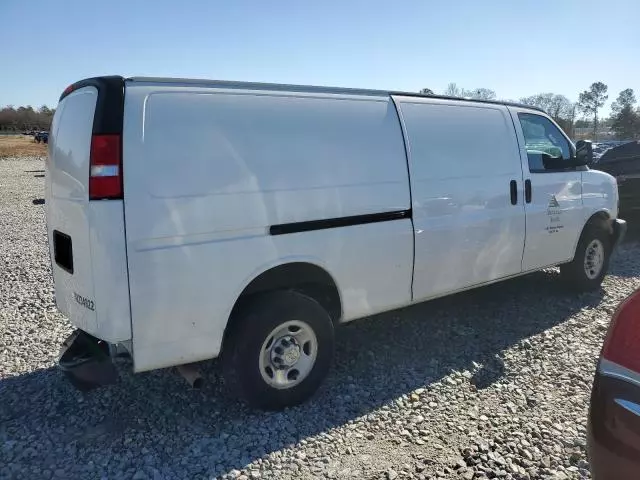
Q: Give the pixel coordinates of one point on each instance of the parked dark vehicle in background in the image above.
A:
(623, 162)
(41, 137)
(614, 415)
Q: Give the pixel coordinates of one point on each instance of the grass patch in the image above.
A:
(21, 146)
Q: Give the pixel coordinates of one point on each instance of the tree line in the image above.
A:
(624, 120)
(25, 119)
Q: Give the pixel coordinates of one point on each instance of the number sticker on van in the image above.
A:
(85, 302)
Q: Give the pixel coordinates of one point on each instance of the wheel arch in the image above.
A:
(601, 218)
(301, 275)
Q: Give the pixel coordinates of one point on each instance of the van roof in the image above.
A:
(314, 89)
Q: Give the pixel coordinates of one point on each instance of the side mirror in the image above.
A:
(584, 156)
(555, 163)
(584, 152)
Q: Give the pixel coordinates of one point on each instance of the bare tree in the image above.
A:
(453, 90)
(555, 105)
(559, 107)
(481, 94)
(571, 119)
(590, 101)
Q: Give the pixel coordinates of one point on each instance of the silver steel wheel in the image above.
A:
(594, 259)
(288, 354)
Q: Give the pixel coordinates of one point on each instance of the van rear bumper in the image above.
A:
(86, 361)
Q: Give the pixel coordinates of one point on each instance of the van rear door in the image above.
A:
(84, 209)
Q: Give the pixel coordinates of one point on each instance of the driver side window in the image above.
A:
(542, 136)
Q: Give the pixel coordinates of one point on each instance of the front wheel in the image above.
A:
(591, 261)
(279, 350)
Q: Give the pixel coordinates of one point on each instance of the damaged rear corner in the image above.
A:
(87, 361)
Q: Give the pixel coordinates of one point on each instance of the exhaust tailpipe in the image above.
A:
(191, 374)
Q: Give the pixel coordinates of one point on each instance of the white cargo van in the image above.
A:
(192, 219)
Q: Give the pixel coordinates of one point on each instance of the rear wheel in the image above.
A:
(279, 350)
(591, 260)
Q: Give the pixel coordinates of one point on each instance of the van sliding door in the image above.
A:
(466, 182)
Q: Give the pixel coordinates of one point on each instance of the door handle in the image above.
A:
(513, 187)
(527, 191)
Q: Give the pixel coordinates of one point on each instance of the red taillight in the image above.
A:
(105, 171)
(68, 90)
(622, 345)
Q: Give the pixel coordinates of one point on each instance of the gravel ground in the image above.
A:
(491, 383)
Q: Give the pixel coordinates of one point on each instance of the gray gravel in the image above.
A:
(492, 383)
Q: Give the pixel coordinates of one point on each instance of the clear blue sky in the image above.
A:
(516, 48)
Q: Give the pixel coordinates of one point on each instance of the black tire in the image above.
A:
(574, 274)
(251, 325)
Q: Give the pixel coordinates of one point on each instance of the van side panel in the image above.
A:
(208, 171)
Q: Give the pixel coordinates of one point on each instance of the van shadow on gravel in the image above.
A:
(155, 416)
